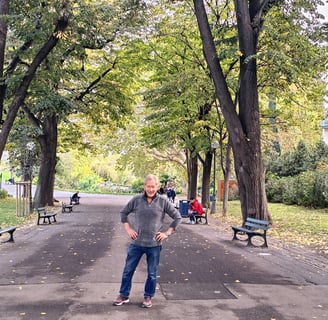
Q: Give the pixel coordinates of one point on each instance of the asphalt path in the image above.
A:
(72, 270)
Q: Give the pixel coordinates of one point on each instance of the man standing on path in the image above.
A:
(147, 235)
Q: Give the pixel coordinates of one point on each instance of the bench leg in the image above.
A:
(11, 239)
(235, 235)
(199, 219)
(265, 244)
(249, 242)
(11, 236)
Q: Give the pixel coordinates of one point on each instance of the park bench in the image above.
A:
(253, 227)
(183, 208)
(43, 214)
(67, 207)
(200, 217)
(9, 230)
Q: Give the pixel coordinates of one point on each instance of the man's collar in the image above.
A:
(145, 195)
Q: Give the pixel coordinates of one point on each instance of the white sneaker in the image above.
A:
(189, 222)
(192, 222)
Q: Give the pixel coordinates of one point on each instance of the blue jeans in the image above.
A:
(192, 215)
(132, 260)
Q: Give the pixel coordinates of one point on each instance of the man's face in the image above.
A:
(150, 188)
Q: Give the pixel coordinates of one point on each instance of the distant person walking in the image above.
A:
(173, 195)
(147, 234)
(169, 194)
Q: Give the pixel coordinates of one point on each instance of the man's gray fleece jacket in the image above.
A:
(148, 218)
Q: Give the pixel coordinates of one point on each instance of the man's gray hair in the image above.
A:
(151, 177)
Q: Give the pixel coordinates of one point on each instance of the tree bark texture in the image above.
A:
(46, 180)
(4, 10)
(207, 168)
(192, 167)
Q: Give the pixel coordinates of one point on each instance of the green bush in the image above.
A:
(89, 184)
(320, 192)
(304, 158)
(304, 189)
(138, 186)
(4, 194)
(274, 189)
(308, 189)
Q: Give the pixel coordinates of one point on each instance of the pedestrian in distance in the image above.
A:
(147, 233)
(169, 194)
(173, 195)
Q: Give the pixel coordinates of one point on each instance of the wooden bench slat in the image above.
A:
(258, 221)
(256, 226)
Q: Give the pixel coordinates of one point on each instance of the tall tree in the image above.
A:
(22, 88)
(77, 70)
(243, 120)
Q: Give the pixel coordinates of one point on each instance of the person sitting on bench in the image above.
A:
(75, 198)
(195, 208)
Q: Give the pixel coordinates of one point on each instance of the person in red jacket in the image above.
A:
(195, 208)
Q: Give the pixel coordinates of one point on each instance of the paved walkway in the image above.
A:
(72, 270)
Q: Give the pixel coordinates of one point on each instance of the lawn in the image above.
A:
(8, 213)
(293, 224)
(297, 225)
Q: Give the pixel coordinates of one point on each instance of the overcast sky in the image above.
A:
(324, 10)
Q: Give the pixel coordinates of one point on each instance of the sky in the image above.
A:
(324, 10)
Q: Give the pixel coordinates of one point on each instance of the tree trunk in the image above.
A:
(243, 128)
(48, 141)
(4, 10)
(226, 177)
(192, 167)
(206, 180)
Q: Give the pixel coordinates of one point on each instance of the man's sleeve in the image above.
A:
(125, 211)
(175, 215)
